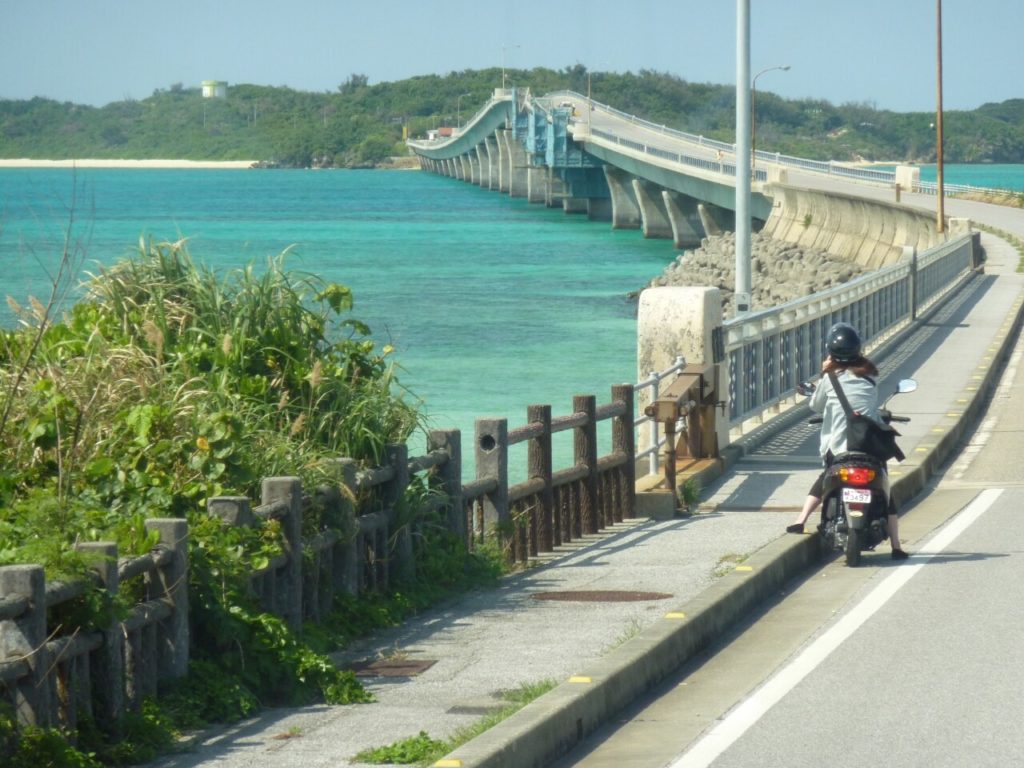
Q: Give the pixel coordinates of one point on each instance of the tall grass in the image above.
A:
(170, 383)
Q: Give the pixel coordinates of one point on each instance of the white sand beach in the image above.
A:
(86, 163)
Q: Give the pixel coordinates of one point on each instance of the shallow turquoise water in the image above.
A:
(491, 303)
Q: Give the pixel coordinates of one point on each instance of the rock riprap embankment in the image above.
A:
(779, 271)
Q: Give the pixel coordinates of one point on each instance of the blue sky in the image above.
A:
(881, 52)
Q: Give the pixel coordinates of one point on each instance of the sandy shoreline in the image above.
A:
(86, 163)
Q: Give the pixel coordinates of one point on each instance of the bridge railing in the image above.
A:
(826, 167)
(715, 166)
(769, 352)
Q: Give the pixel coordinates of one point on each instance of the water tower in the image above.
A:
(215, 89)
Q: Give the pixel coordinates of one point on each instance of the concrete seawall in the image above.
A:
(870, 233)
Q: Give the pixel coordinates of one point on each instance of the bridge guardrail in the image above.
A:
(769, 352)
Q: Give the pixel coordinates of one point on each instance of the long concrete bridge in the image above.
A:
(565, 150)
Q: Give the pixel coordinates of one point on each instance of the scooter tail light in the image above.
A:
(857, 475)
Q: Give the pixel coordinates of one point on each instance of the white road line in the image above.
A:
(741, 718)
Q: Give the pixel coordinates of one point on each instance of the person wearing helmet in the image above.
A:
(856, 375)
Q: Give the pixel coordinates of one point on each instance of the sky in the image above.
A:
(877, 52)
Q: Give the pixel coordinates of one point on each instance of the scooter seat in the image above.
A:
(858, 457)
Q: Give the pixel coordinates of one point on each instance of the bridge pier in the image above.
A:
(558, 191)
(493, 160)
(625, 208)
(483, 168)
(654, 220)
(513, 166)
(473, 159)
(536, 184)
(599, 208)
(575, 204)
(687, 231)
(716, 220)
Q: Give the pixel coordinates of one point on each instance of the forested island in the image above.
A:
(361, 125)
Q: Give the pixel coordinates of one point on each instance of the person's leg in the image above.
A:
(810, 504)
(894, 538)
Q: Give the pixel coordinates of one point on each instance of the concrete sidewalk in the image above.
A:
(658, 591)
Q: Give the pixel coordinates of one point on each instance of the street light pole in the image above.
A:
(458, 109)
(503, 47)
(941, 190)
(753, 111)
(741, 297)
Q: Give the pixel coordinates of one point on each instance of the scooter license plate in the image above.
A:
(856, 496)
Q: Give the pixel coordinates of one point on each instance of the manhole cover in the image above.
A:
(391, 668)
(601, 596)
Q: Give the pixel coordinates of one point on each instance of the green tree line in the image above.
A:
(362, 125)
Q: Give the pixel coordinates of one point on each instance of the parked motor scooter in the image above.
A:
(855, 493)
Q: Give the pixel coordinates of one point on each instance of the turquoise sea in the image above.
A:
(492, 304)
(988, 176)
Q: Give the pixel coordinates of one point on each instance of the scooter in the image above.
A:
(855, 493)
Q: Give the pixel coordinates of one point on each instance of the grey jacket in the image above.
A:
(863, 398)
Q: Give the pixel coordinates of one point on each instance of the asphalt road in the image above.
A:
(906, 664)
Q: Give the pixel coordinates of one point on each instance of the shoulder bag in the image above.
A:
(866, 435)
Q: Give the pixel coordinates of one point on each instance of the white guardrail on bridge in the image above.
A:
(770, 352)
(824, 167)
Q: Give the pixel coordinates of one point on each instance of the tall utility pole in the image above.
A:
(741, 300)
(941, 189)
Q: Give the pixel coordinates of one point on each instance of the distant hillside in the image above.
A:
(360, 125)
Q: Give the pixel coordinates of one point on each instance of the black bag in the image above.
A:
(867, 435)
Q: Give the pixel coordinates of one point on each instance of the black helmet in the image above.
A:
(843, 343)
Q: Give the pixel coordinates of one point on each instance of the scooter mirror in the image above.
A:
(905, 386)
(805, 388)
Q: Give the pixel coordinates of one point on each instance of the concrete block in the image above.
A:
(659, 504)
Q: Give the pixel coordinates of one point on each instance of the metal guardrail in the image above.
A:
(642, 420)
(771, 351)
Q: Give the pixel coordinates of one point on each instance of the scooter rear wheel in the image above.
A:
(853, 547)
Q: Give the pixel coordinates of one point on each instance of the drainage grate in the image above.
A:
(601, 596)
(390, 668)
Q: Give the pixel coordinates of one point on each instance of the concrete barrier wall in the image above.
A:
(868, 232)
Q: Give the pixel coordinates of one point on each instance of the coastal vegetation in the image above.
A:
(363, 125)
(166, 385)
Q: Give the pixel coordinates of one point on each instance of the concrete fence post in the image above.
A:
(449, 477)
(289, 490)
(624, 441)
(585, 454)
(401, 519)
(106, 664)
(539, 465)
(346, 556)
(171, 583)
(24, 638)
(492, 463)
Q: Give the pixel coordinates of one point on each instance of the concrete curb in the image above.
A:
(552, 725)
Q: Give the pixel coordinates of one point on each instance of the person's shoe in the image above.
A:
(899, 554)
(795, 528)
